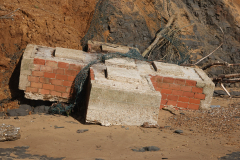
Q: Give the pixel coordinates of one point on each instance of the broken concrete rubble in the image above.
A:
(121, 91)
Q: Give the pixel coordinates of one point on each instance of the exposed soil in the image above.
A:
(59, 23)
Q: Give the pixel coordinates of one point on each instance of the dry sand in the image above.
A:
(115, 142)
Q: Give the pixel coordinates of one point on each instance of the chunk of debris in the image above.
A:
(144, 149)
(9, 133)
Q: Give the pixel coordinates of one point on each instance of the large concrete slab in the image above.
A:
(113, 106)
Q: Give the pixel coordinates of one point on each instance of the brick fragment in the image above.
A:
(164, 102)
(188, 94)
(182, 105)
(193, 106)
(63, 65)
(186, 88)
(197, 90)
(168, 80)
(172, 97)
(163, 85)
(71, 72)
(39, 61)
(56, 82)
(49, 75)
(159, 79)
(48, 86)
(194, 101)
(36, 67)
(62, 77)
(199, 96)
(65, 95)
(174, 87)
(44, 91)
(71, 78)
(36, 85)
(58, 71)
(191, 83)
(179, 81)
(75, 67)
(37, 73)
(60, 88)
(164, 96)
(177, 93)
(33, 79)
(173, 103)
(166, 91)
(67, 83)
(33, 90)
(46, 69)
(54, 93)
(183, 99)
(44, 80)
(50, 63)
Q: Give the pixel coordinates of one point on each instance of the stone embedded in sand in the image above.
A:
(9, 133)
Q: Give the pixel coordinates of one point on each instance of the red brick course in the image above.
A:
(53, 78)
(177, 92)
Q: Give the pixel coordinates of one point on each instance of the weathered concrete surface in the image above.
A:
(70, 54)
(113, 106)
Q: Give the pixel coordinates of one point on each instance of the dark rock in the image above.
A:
(99, 159)
(220, 92)
(16, 118)
(235, 93)
(215, 106)
(127, 128)
(144, 149)
(236, 117)
(178, 131)
(56, 127)
(41, 109)
(26, 107)
(17, 112)
(232, 156)
(167, 126)
(182, 113)
(20, 153)
(82, 130)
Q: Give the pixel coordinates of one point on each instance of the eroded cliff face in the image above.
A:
(131, 22)
(58, 23)
(135, 23)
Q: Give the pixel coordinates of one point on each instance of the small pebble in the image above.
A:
(16, 118)
(123, 127)
(127, 128)
(82, 130)
(178, 131)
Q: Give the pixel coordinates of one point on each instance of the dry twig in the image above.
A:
(9, 16)
(159, 35)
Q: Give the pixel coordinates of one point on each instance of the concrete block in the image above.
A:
(23, 82)
(26, 64)
(112, 106)
(175, 71)
(121, 62)
(123, 75)
(69, 54)
(28, 51)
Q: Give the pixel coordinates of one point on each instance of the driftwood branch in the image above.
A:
(225, 90)
(219, 64)
(159, 35)
(208, 54)
(9, 16)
